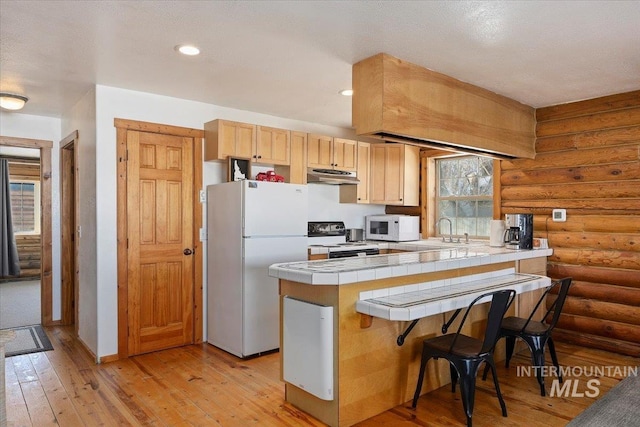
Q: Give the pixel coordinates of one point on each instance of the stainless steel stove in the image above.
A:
(332, 235)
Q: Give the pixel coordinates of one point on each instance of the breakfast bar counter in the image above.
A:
(362, 368)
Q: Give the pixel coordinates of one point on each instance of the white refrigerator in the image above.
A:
(250, 225)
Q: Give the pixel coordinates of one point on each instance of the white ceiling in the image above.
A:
(290, 58)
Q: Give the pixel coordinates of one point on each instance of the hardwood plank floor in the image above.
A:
(202, 386)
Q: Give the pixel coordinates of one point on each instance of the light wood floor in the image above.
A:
(202, 386)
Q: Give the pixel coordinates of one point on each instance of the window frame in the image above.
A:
(435, 198)
(37, 194)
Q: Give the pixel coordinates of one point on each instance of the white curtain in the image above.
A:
(9, 262)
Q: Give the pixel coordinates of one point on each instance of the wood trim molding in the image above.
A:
(158, 128)
(497, 186)
(72, 137)
(121, 207)
(70, 311)
(198, 307)
(25, 142)
(46, 287)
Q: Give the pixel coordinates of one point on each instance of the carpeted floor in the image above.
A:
(19, 303)
(29, 339)
(618, 408)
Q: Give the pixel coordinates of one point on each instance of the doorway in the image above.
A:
(69, 271)
(159, 250)
(20, 291)
(46, 307)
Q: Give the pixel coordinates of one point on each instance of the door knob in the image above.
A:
(187, 251)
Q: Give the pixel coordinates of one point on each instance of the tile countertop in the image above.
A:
(413, 246)
(342, 271)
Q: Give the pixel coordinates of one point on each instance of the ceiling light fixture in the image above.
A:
(188, 49)
(10, 101)
(346, 92)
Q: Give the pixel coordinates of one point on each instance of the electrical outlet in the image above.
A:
(203, 234)
(559, 215)
(203, 196)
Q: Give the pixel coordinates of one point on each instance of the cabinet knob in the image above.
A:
(255, 157)
(259, 157)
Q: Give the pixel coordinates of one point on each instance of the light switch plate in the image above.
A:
(559, 215)
(203, 234)
(203, 196)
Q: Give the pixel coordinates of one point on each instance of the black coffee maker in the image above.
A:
(519, 231)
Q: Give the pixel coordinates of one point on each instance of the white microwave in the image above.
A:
(392, 228)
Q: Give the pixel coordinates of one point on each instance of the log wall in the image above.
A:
(587, 162)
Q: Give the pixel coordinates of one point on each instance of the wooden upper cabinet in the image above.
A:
(296, 173)
(359, 193)
(261, 144)
(345, 154)
(273, 146)
(326, 152)
(225, 138)
(395, 174)
(319, 151)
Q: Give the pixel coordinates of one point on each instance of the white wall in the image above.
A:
(114, 103)
(82, 118)
(47, 128)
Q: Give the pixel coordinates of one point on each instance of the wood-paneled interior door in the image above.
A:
(160, 241)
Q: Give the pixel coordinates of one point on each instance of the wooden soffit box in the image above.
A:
(397, 101)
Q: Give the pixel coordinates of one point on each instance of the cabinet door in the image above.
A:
(245, 140)
(298, 169)
(224, 138)
(378, 165)
(273, 146)
(388, 174)
(364, 162)
(394, 174)
(359, 193)
(411, 176)
(345, 154)
(319, 151)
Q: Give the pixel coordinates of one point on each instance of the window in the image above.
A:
(25, 206)
(465, 194)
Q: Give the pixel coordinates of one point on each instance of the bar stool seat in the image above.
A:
(466, 354)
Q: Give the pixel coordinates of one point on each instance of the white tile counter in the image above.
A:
(418, 245)
(405, 303)
(342, 271)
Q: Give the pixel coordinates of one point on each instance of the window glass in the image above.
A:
(465, 195)
(25, 207)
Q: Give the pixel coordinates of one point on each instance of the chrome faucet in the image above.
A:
(450, 229)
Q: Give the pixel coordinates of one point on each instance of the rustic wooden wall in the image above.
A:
(588, 162)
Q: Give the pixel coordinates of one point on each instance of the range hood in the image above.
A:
(397, 101)
(331, 176)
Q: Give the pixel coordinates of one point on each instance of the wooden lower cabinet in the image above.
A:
(312, 257)
(372, 374)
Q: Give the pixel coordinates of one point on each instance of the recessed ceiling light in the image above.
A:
(346, 92)
(188, 49)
